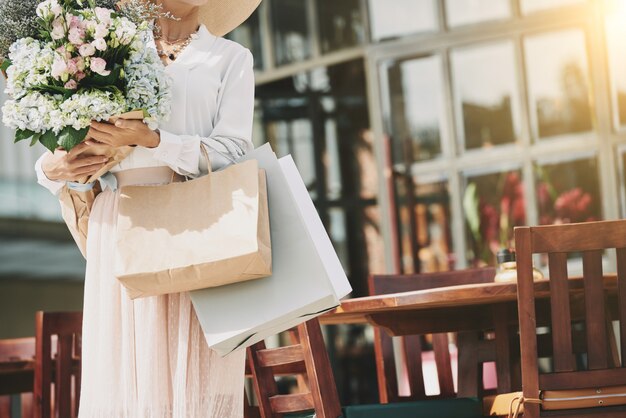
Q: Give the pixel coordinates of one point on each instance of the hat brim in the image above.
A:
(222, 16)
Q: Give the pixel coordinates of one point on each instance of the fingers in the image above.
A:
(73, 153)
(103, 127)
(86, 161)
(87, 170)
(101, 136)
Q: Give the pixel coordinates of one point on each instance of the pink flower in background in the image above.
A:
(58, 29)
(100, 44)
(59, 67)
(71, 85)
(573, 206)
(98, 65)
(76, 36)
(87, 50)
(71, 67)
(103, 15)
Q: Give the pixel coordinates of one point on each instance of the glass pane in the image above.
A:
(338, 236)
(332, 161)
(292, 41)
(374, 239)
(530, 6)
(463, 12)
(401, 17)
(341, 24)
(249, 35)
(568, 192)
(417, 108)
(616, 46)
(486, 97)
(493, 205)
(558, 87)
(423, 218)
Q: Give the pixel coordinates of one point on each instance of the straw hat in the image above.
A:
(222, 16)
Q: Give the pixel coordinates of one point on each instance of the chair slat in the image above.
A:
(63, 381)
(284, 404)
(566, 238)
(280, 356)
(441, 347)
(595, 315)
(385, 367)
(582, 379)
(412, 359)
(561, 316)
(621, 295)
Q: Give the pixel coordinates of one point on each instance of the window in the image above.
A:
(556, 66)
(416, 105)
(400, 18)
(568, 192)
(292, 40)
(531, 6)
(463, 12)
(493, 205)
(341, 24)
(616, 46)
(486, 97)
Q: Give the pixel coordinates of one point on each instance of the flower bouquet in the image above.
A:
(75, 61)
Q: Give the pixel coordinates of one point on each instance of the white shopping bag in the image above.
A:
(307, 278)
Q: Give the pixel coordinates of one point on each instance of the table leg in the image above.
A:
(503, 348)
(470, 371)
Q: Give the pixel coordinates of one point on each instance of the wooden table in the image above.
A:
(476, 307)
(16, 376)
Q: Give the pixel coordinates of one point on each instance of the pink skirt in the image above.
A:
(146, 358)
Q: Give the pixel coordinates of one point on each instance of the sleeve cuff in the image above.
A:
(169, 149)
(53, 186)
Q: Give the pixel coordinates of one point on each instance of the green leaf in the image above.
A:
(21, 135)
(70, 137)
(471, 208)
(6, 63)
(35, 139)
(49, 140)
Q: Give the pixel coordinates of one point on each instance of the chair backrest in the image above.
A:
(305, 358)
(571, 301)
(411, 346)
(58, 365)
(12, 350)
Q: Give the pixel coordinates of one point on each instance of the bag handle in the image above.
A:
(205, 152)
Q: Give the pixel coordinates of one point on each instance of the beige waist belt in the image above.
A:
(147, 176)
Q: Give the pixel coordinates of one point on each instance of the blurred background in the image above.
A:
(425, 131)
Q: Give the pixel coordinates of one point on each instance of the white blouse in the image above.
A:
(213, 104)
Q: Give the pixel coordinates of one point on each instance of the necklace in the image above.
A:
(177, 46)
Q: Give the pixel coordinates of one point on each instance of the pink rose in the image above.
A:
(59, 67)
(76, 35)
(80, 63)
(98, 65)
(71, 67)
(87, 50)
(71, 85)
(74, 21)
(80, 75)
(101, 31)
(103, 15)
(58, 29)
(100, 44)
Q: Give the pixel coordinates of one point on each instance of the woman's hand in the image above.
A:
(70, 166)
(124, 132)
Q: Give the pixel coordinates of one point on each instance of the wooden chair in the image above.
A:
(306, 358)
(583, 386)
(57, 362)
(470, 364)
(16, 389)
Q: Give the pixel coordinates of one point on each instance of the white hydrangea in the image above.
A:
(35, 112)
(31, 62)
(49, 9)
(80, 109)
(125, 30)
(148, 85)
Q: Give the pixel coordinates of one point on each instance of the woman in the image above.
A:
(148, 357)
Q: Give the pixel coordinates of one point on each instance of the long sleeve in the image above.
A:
(231, 136)
(53, 186)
